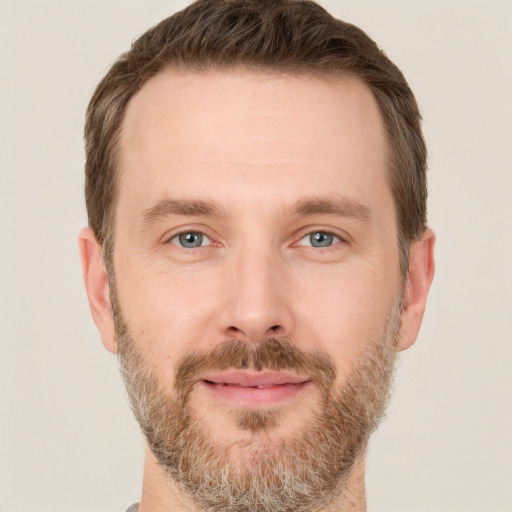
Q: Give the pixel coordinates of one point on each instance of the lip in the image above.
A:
(253, 379)
(252, 389)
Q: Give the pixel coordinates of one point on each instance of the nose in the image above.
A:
(257, 303)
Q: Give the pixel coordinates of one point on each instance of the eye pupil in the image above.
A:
(321, 239)
(190, 240)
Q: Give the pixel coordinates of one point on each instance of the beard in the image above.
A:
(256, 474)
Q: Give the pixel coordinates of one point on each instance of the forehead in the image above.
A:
(205, 133)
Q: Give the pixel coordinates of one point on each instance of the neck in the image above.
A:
(159, 493)
(353, 496)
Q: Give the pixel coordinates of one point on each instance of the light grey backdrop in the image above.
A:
(67, 439)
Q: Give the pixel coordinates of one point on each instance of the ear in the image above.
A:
(421, 273)
(96, 284)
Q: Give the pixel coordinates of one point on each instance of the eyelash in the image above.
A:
(338, 239)
(189, 232)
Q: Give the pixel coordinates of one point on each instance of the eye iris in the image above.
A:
(321, 239)
(190, 240)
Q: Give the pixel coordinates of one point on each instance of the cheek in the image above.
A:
(340, 312)
(337, 309)
(170, 312)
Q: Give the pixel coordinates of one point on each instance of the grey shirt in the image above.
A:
(133, 508)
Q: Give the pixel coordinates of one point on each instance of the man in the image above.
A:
(257, 252)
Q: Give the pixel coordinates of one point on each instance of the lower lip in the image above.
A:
(251, 396)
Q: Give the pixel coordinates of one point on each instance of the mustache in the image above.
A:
(277, 354)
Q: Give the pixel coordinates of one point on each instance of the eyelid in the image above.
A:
(306, 232)
(180, 230)
(204, 235)
(336, 239)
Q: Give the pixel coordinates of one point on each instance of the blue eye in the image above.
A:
(320, 239)
(190, 240)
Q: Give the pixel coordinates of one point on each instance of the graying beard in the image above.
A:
(303, 475)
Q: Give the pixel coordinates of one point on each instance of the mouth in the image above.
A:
(253, 389)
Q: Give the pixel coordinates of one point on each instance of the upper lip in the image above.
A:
(253, 379)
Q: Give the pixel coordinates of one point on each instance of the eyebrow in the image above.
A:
(339, 206)
(167, 207)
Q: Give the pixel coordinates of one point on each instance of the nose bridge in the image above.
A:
(257, 305)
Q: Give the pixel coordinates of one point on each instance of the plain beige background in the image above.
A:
(67, 439)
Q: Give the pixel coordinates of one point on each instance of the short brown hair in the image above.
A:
(295, 36)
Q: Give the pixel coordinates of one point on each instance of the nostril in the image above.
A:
(255, 335)
(235, 330)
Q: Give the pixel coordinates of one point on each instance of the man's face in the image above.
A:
(256, 266)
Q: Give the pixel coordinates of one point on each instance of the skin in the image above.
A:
(255, 154)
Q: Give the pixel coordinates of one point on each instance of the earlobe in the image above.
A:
(97, 287)
(421, 274)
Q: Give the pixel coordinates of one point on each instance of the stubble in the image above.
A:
(303, 474)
